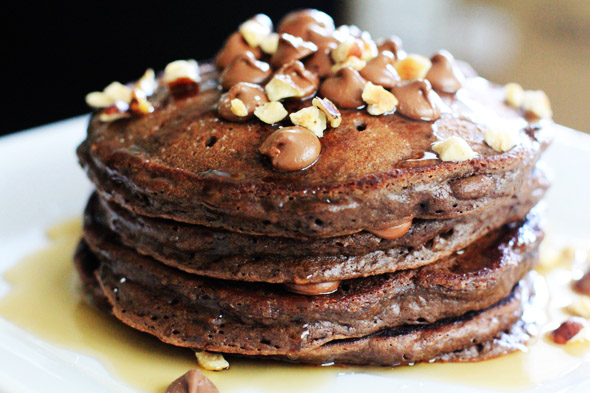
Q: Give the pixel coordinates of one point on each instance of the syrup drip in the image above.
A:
(45, 300)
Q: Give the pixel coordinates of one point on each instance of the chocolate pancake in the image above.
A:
(183, 162)
(247, 318)
(208, 252)
(474, 335)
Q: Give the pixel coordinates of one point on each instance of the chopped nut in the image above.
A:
(380, 100)
(114, 92)
(139, 102)
(238, 107)
(352, 62)
(114, 112)
(368, 47)
(311, 118)
(332, 113)
(211, 361)
(270, 43)
(569, 331)
(281, 87)
(351, 46)
(501, 138)
(271, 112)
(256, 29)
(514, 94)
(453, 149)
(536, 103)
(118, 92)
(182, 70)
(580, 307)
(147, 82)
(583, 285)
(413, 67)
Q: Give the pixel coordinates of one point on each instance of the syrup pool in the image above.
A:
(45, 300)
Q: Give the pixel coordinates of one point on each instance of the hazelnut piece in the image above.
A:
(234, 46)
(311, 118)
(332, 113)
(514, 94)
(345, 88)
(211, 361)
(444, 75)
(536, 103)
(139, 102)
(322, 288)
(292, 80)
(417, 100)
(352, 62)
(270, 43)
(413, 67)
(240, 102)
(567, 330)
(453, 149)
(182, 74)
(501, 137)
(291, 148)
(244, 68)
(271, 112)
(255, 29)
(380, 100)
(583, 284)
(393, 232)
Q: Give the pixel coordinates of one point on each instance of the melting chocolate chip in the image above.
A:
(321, 38)
(298, 23)
(444, 75)
(417, 100)
(292, 148)
(192, 382)
(345, 88)
(392, 44)
(244, 68)
(249, 94)
(304, 80)
(381, 71)
(291, 48)
(235, 45)
(320, 62)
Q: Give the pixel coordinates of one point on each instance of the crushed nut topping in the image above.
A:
(536, 103)
(311, 118)
(211, 361)
(182, 71)
(332, 113)
(572, 330)
(114, 92)
(379, 100)
(413, 67)
(271, 112)
(502, 137)
(454, 149)
(256, 29)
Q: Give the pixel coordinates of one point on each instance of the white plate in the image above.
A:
(42, 184)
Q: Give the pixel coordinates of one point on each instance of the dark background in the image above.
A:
(56, 53)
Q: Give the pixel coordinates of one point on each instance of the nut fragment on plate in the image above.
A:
(582, 285)
(311, 118)
(580, 306)
(514, 94)
(271, 112)
(256, 29)
(501, 138)
(379, 100)
(332, 113)
(182, 71)
(574, 330)
(454, 149)
(413, 67)
(192, 382)
(211, 361)
(114, 92)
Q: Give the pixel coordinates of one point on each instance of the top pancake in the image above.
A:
(184, 163)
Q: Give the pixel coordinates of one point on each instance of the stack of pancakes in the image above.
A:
(380, 253)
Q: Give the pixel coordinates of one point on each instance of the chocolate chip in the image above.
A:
(251, 96)
(192, 382)
(417, 100)
(444, 75)
(291, 48)
(381, 71)
(298, 23)
(292, 148)
(234, 45)
(345, 88)
(244, 68)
